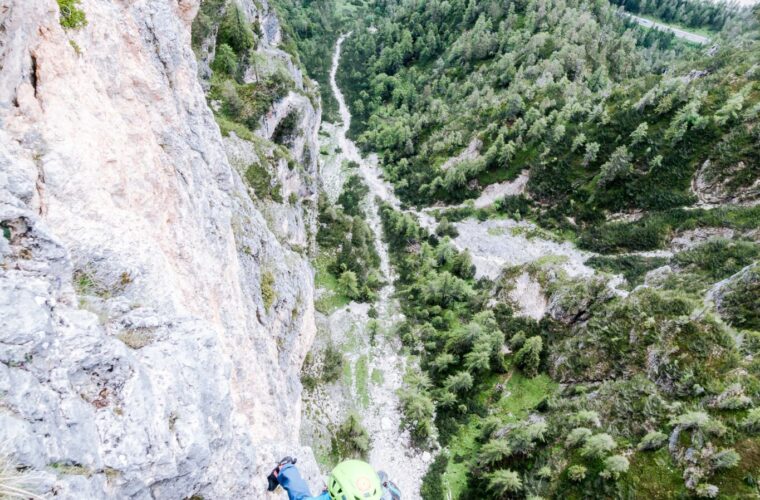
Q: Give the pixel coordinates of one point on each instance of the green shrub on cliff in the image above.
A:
(72, 17)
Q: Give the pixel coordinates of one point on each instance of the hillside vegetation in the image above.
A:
(633, 141)
(566, 89)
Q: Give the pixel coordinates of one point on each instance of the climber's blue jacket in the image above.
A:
(290, 479)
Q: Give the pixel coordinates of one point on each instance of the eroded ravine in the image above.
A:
(373, 357)
(391, 449)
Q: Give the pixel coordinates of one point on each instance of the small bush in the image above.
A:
(705, 490)
(614, 466)
(327, 371)
(446, 228)
(309, 378)
(725, 459)
(264, 184)
(86, 284)
(136, 339)
(332, 364)
(268, 293)
(88, 281)
(652, 441)
(462, 266)
(72, 17)
(586, 417)
(751, 422)
(577, 436)
(576, 473)
(598, 446)
(544, 472)
(351, 440)
(516, 206)
(737, 402)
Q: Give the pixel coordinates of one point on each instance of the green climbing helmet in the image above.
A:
(354, 480)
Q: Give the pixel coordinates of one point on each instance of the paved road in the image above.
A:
(686, 35)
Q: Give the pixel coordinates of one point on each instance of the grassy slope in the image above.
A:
(520, 395)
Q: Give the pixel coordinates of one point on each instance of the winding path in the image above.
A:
(686, 35)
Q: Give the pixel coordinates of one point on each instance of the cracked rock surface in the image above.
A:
(138, 357)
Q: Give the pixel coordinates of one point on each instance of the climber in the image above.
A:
(350, 480)
(286, 474)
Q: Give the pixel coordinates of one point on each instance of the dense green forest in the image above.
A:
(647, 396)
(571, 91)
(648, 391)
(643, 396)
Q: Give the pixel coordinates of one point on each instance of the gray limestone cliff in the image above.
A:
(284, 147)
(153, 317)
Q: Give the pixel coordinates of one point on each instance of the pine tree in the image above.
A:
(349, 284)
(494, 451)
(504, 482)
(351, 440)
(235, 31)
(528, 357)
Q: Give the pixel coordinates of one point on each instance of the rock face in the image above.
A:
(713, 186)
(293, 218)
(746, 279)
(152, 326)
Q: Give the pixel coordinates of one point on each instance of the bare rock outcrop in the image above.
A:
(290, 123)
(152, 327)
(713, 186)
